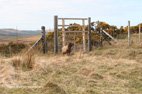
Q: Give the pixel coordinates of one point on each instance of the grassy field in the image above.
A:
(115, 69)
(25, 39)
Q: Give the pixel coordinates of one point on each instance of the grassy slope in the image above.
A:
(25, 39)
(109, 70)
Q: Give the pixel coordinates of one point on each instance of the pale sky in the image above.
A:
(32, 14)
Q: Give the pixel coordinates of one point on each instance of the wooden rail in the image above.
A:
(75, 31)
(64, 25)
(109, 35)
(43, 40)
(73, 18)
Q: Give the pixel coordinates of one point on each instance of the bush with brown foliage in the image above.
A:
(12, 48)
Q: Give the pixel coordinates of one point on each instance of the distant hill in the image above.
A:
(11, 33)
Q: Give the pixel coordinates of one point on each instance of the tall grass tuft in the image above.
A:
(16, 62)
(29, 61)
(24, 62)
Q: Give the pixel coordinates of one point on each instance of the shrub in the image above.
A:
(12, 48)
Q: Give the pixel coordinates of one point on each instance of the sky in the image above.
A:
(32, 14)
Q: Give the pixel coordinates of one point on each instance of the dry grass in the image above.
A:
(86, 74)
(113, 69)
(29, 61)
(16, 62)
(24, 62)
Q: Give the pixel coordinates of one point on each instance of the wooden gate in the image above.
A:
(64, 32)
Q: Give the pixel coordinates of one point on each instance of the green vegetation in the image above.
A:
(11, 48)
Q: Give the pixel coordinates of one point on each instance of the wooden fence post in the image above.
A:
(44, 41)
(55, 34)
(129, 37)
(63, 32)
(89, 34)
(83, 35)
